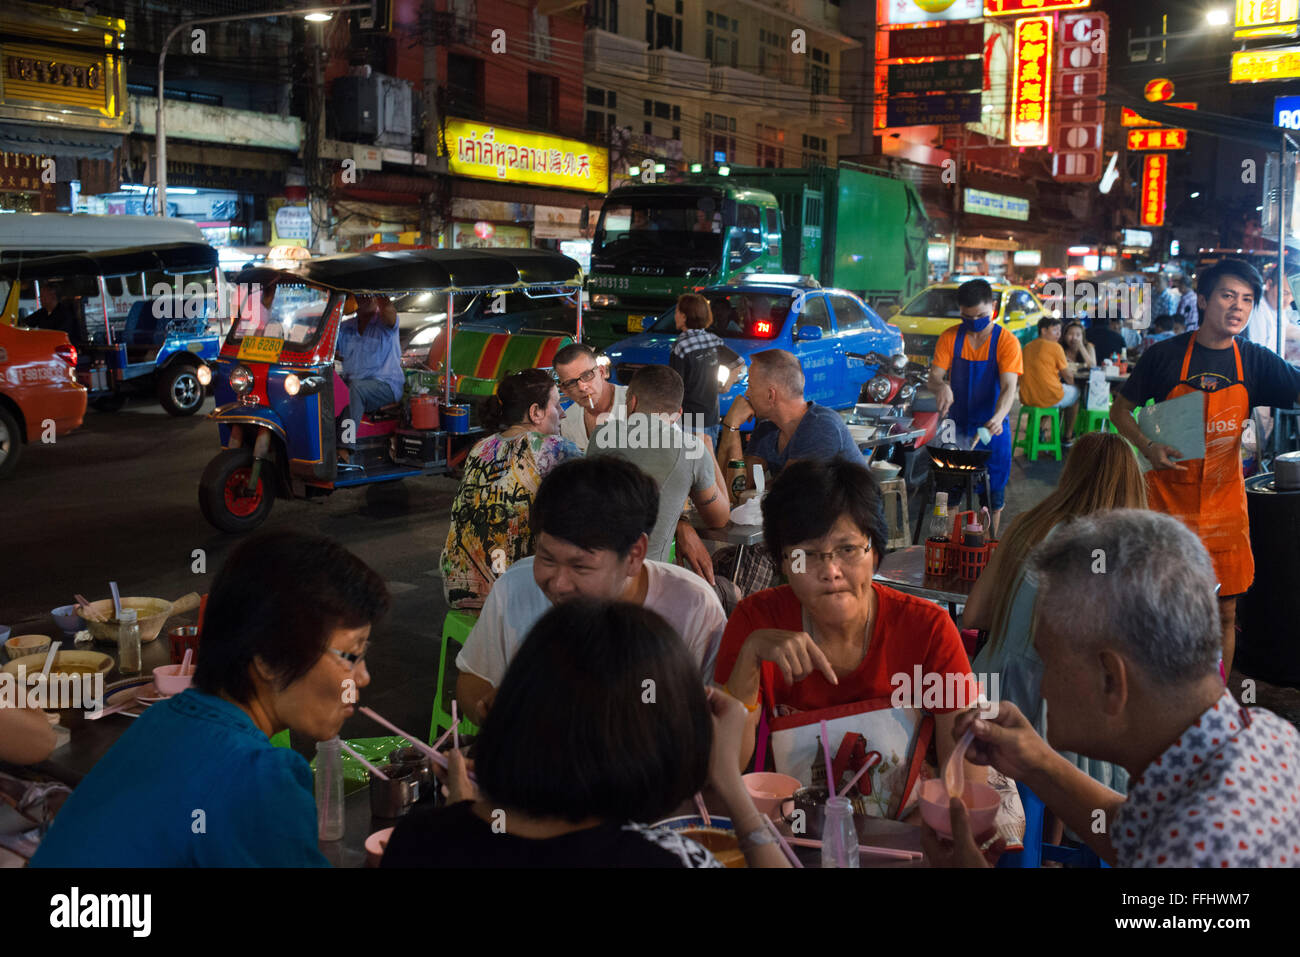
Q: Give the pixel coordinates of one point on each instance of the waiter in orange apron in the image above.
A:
(1233, 376)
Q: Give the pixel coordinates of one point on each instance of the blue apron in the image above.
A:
(975, 389)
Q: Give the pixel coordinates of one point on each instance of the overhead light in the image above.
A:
(697, 167)
(182, 190)
(724, 170)
(661, 168)
(1196, 195)
(1218, 17)
(318, 17)
(1112, 173)
(1259, 209)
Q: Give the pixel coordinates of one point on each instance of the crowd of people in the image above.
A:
(563, 536)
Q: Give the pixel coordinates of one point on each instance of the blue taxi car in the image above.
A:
(779, 312)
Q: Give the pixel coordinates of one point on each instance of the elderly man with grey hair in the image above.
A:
(1135, 682)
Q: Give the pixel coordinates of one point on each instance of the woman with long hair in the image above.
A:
(490, 515)
(1101, 473)
(1076, 346)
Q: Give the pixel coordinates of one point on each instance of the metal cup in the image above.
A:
(427, 784)
(812, 803)
(390, 799)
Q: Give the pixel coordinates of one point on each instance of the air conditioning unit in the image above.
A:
(372, 109)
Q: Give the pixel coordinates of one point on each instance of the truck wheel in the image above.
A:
(179, 390)
(110, 402)
(223, 496)
(11, 443)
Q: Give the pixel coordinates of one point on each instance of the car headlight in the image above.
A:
(204, 375)
(292, 384)
(425, 336)
(878, 388)
(604, 299)
(241, 380)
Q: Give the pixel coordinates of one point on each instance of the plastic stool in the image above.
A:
(1030, 443)
(281, 739)
(455, 627)
(1092, 420)
(1035, 851)
(893, 494)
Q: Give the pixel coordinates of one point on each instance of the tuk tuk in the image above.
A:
(281, 403)
(140, 318)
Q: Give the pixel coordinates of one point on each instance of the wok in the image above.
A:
(958, 460)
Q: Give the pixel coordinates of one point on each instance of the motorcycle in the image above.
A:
(896, 401)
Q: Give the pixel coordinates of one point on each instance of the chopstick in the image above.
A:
(785, 847)
(88, 612)
(893, 852)
(96, 715)
(364, 763)
(704, 812)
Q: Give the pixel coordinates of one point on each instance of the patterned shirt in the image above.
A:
(1225, 794)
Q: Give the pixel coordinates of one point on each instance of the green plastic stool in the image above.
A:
(280, 740)
(455, 627)
(1092, 420)
(1111, 425)
(1031, 443)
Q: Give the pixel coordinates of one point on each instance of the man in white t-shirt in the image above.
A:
(584, 379)
(592, 518)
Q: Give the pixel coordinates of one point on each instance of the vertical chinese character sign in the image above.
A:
(1154, 170)
(1031, 82)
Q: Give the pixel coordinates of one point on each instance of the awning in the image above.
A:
(65, 142)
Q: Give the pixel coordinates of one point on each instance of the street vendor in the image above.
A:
(1209, 494)
(986, 365)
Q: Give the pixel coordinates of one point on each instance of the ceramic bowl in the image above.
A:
(768, 789)
(169, 680)
(981, 802)
(66, 617)
(20, 646)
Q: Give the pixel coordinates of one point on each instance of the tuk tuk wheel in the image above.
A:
(11, 443)
(108, 403)
(179, 390)
(223, 492)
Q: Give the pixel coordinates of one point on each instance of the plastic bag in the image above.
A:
(374, 750)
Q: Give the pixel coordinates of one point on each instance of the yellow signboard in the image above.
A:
(1261, 17)
(485, 151)
(1254, 66)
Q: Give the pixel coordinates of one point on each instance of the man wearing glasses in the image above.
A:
(986, 366)
(586, 383)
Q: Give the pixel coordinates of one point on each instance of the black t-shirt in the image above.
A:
(457, 837)
(1107, 340)
(1269, 380)
(699, 372)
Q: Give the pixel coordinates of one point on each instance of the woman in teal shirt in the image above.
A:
(195, 781)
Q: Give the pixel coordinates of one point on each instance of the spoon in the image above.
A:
(117, 600)
(185, 662)
(954, 772)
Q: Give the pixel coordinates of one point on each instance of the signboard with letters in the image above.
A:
(1163, 138)
(940, 76)
(1129, 117)
(933, 109)
(1077, 121)
(957, 39)
(995, 204)
(997, 80)
(1017, 8)
(928, 11)
(1264, 18)
(1155, 170)
(1256, 66)
(1286, 112)
(1031, 82)
(486, 151)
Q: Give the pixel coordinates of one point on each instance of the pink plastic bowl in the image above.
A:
(168, 679)
(981, 802)
(769, 789)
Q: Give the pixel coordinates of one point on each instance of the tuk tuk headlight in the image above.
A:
(241, 380)
(878, 388)
(204, 375)
(602, 299)
(292, 384)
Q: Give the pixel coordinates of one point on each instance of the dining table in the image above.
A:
(904, 570)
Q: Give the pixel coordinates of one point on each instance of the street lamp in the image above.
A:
(1218, 17)
(314, 14)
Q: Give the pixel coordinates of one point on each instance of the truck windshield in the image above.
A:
(942, 303)
(740, 315)
(664, 224)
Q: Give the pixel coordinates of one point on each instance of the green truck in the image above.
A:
(849, 227)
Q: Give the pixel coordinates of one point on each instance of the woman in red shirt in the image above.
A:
(832, 636)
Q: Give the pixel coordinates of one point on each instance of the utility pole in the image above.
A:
(433, 217)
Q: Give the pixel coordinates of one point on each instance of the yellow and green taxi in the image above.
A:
(935, 309)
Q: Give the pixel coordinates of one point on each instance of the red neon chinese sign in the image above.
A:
(1031, 82)
(1169, 138)
(1011, 8)
(1155, 168)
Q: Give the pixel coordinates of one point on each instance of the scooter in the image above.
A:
(897, 400)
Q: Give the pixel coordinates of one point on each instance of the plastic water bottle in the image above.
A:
(839, 836)
(938, 527)
(128, 642)
(329, 790)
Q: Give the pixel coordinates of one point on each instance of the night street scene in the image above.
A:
(599, 434)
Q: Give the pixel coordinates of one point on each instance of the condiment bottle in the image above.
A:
(839, 836)
(973, 535)
(128, 642)
(938, 528)
(736, 479)
(329, 790)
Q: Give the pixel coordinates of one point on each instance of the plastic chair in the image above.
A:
(1031, 443)
(1092, 420)
(1035, 851)
(455, 627)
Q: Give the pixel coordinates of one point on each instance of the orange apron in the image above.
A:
(1209, 495)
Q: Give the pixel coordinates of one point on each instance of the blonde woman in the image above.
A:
(1100, 474)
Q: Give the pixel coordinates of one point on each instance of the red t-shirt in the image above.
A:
(909, 631)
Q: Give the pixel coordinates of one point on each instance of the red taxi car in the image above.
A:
(38, 391)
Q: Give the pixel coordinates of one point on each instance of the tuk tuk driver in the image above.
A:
(371, 355)
(986, 366)
(56, 313)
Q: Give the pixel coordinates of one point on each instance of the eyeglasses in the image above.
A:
(846, 556)
(351, 657)
(587, 376)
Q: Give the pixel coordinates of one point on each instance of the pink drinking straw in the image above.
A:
(785, 847)
(415, 742)
(891, 852)
(704, 812)
(826, 753)
(455, 727)
(364, 763)
(871, 762)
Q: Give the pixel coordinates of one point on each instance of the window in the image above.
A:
(542, 100)
(771, 152)
(771, 54)
(595, 96)
(815, 314)
(715, 140)
(598, 121)
(677, 114)
(648, 128)
(721, 39)
(819, 71)
(1022, 302)
(814, 151)
(464, 86)
(849, 313)
(677, 132)
(663, 110)
(663, 29)
(603, 15)
(773, 232)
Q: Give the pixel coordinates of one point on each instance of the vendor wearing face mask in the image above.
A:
(986, 365)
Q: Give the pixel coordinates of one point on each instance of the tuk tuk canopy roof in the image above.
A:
(436, 270)
(168, 258)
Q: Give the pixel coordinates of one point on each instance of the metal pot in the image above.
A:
(1286, 471)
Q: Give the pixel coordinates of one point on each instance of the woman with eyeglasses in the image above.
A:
(490, 528)
(832, 636)
(195, 781)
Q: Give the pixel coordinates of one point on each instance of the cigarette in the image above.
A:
(591, 402)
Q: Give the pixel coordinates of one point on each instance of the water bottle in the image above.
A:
(938, 527)
(128, 642)
(329, 790)
(839, 836)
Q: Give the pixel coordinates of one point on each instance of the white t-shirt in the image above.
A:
(573, 426)
(515, 603)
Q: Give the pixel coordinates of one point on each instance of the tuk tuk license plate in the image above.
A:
(260, 348)
(635, 323)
